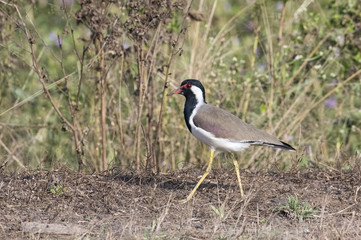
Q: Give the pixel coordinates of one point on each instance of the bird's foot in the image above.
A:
(186, 200)
(183, 201)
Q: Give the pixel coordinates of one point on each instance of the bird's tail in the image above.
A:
(286, 146)
(283, 145)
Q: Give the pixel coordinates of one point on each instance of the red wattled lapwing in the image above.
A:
(219, 129)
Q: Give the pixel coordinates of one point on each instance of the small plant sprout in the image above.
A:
(294, 209)
(58, 189)
(219, 212)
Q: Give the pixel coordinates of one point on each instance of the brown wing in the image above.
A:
(225, 125)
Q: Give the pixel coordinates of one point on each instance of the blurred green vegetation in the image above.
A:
(280, 65)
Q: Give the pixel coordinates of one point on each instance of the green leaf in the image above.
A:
(263, 108)
(215, 210)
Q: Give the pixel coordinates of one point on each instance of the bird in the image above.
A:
(219, 129)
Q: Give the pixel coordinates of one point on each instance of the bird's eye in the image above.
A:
(188, 85)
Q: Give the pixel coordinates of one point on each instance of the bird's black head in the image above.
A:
(194, 93)
(191, 88)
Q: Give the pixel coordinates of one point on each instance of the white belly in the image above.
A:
(218, 144)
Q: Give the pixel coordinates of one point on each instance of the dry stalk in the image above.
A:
(151, 93)
(165, 86)
(247, 93)
(282, 22)
(164, 214)
(99, 43)
(270, 61)
(141, 87)
(209, 23)
(42, 79)
(72, 108)
(195, 41)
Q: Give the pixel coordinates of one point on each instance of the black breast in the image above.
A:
(189, 106)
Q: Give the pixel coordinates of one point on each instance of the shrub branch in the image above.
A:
(36, 68)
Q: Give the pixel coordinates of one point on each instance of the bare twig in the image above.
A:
(150, 92)
(144, 82)
(165, 86)
(80, 58)
(270, 62)
(36, 68)
(99, 41)
(140, 97)
(11, 154)
(164, 214)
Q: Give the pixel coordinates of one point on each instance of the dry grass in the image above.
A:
(293, 73)
(126, 205)
(283, 74)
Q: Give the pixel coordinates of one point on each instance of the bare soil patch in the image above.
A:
(127, 205)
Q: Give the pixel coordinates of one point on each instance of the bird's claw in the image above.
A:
(183, 201)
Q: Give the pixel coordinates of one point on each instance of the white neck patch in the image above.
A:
(200, 101)
(199, 94)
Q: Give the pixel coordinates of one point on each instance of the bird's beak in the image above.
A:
(178, 91)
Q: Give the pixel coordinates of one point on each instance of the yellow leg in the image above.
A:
(238, 175)
(201, 180)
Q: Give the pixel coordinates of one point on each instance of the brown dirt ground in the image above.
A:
(127, 205)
